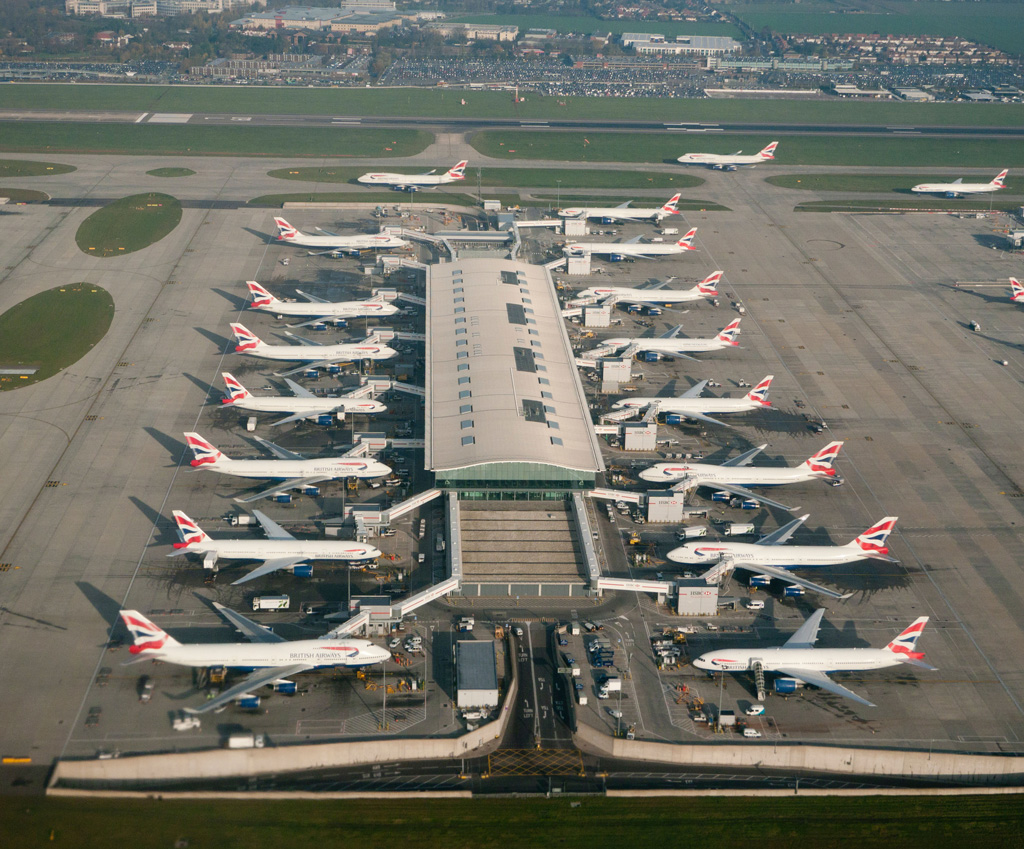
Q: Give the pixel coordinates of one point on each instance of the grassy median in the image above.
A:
(129, 224)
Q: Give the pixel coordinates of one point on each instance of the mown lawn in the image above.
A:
(29, 167)
(128, 224)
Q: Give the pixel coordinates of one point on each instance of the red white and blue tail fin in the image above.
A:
(261, 298)
(285, 231)
(728, 334)
(686, 243)
(906, 643)
(1016, 291)
(188, 530)
(671, 205)
(709, 285)
(769, 152)
(205, 453)
(146, 637)
(872, 541)
(820, 464)
(459, 171)
(236, 392)
(998, 181)
(246, 339)
(759, 394)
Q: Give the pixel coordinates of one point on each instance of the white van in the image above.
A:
(755, 604)
(751, 732)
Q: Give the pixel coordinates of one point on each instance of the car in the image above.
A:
(569, 659)
(615, 714)
(562, 641)
(146, 685)
(754, 710)
(751, 732)
(394, 642)
(589, 626)
(517, 631)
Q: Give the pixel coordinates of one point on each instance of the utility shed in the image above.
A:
(476, 674)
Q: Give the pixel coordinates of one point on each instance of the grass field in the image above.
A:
(540, 178)
(179, 139)
(710, 823)
(581, 24)
(52, 330)
(129, 224)
(29, 168)
(899, 183)
(262, 100)
(1000, 25)
(891, 151)
(910, 203)
(171, 172)
(23, 195)
(382, 198)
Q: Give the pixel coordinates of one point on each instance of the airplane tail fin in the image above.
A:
(671, 206)
(246, 339)
(145, 635)
(188, 530)
(1016, 290)
(236, 392)
(729, 333)
(998, 181)
(285, 231)
(204, 453)
(260, 296)
(769, 151)
(820, 464)
(872, 541)
(686, 243)
(709, 285)
(459, 171)
(759, 394)
(906, 642)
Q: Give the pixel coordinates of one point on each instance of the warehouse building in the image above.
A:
(476, 675)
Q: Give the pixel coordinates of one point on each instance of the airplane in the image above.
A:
(768, 558)
(608, 295)
(729, 161)
(321, 309)
(1016, 291)
(280, 550)
(312, 354)
(335, 243)
(414, 182)
(691, 406)
(797, 658)
(294, 470)
(618, 251)
(668, 344)
(734, 475)
(269, 658)
(623, 212)
(958, 188)
(303, 405)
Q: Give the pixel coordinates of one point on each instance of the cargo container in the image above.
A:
(271, 602)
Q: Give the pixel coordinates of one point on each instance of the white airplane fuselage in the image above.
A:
(338, 309)
(317, 653)
(339, 467)
(682, 406)
(385, 178)
(636, 250)
(721, 160)
(668, 346)
(352, 351)
(779, 658)
(274, 549)
(955, 188)
(376, 241)
(313, 406)
(616, 213)
(706, 474)
(780, 556)
(647, 296)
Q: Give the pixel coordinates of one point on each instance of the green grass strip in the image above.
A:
(128, 224)
(23, 195)
(911, 204)
(188, 140)
(171, 172)
(30, 168)
(52, 330)
(901, 183)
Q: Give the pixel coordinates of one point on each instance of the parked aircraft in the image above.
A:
(269, 658)
(690, 405)
(294, 470)
(279, 551)
(321, 310)
(669, 344)
(313, 354)
(958, 188)
(623, 212)
(652, 295)
(768, 558)
(729, 161)
(735, 475)
(412, 182)
(335, 243)
(797, 658)
(1016, 291)
(618, 251)
(303, 405)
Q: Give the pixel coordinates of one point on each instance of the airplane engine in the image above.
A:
(303, 570)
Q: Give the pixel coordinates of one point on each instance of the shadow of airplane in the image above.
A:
(176, 449)
(238, 302)
(225, 345)
(984, 296)
(107, 607)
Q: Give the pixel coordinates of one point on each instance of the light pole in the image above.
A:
(558, 195)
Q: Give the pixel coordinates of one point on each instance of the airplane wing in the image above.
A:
(278, 451)
(743, 492)
(784, 533)
(624, 205)
(743, 459)
(958, 180)
(313, 298)
(298, 391)
(701, 417)
(268, 567)
(821, 680)
(807, 634)
(302, 340)
(671, 334)
(651, 285)
(270, 527)
(317, 364)
(303, 415)
(920, 663)
(252, 682)
(780, 574)
(252, 631)
(659, 306)
(328, 232)
(634, 241)
(294, 483)
(695, 390)
(317, 320)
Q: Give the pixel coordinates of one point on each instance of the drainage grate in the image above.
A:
(52, 483)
